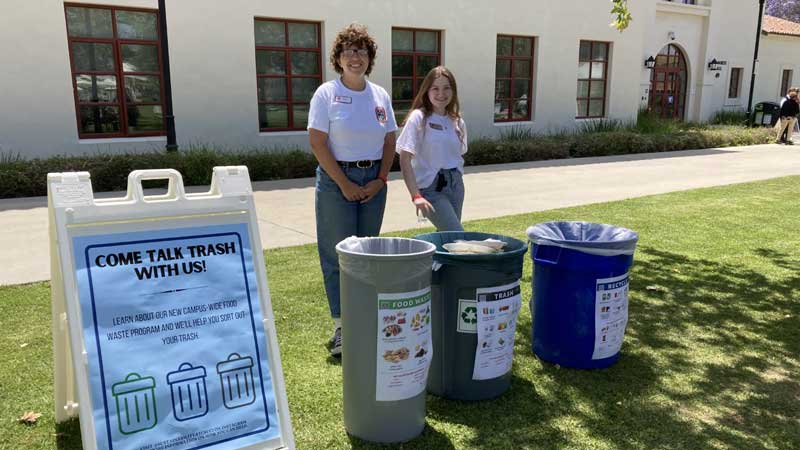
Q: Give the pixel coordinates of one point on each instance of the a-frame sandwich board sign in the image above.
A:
(163, 332)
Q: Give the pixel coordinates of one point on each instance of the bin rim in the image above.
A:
(624, 246)
(443, 255)
(341, 250)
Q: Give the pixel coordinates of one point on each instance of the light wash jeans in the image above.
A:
(448, 202)
(338, 218)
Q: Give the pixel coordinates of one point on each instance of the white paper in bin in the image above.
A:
(237, 383)
(188, 388)
(136, 403)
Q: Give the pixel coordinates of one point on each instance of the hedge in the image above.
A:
(21, 177)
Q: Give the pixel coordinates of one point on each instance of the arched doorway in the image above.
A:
(668, 84)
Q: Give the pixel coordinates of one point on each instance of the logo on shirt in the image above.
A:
(435, 126)
(342, 99)
(380, 114)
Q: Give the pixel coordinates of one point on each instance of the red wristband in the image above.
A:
(416, 197)
(383, 178)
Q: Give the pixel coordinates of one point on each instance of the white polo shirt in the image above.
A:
(356, 121)
(434, 143)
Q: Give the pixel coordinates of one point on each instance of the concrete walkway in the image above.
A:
(286, 208)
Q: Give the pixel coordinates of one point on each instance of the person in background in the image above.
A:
(351, 128)
(431, 148)
(788, 115)
(782, 139)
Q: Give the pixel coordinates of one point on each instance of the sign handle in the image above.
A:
(175, 189)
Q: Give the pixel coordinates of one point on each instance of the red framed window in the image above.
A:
(414, 53)
(288, 71)
(735, 87)
(592, 79)
(117, 76)
(513, 83)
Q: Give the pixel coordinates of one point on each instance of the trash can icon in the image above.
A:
(189, 395)
(136, 403)
(236, 377)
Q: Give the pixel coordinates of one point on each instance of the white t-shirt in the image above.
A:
(435, 144)
(356, 121)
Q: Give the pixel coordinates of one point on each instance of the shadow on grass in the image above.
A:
(429, 439)
(68, 435)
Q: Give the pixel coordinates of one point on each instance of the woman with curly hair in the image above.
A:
(351, 127)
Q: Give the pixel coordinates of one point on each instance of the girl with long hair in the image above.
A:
(431, 148)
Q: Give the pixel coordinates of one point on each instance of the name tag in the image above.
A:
(343, 99)
(435, 126)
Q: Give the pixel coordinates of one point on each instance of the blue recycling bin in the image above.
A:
(580, 292)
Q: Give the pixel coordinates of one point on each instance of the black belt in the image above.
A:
(363, 164)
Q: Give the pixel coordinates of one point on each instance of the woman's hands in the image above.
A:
(423, 206)
(372, 189)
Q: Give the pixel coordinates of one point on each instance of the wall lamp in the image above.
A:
(650, 62)
(714, 65)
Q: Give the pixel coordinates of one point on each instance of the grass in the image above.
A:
(711, 358)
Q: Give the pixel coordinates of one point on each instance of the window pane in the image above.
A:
(427, 41)
(273, 116)
(270, 62)
(583, 69)
(139, 58)
(136, 25)
(145, 118)
(402, 40)
(303, 35)
(600, 51)
(402, 66)
(99, 119)
(520, 88)
(305, 63)
(598, 70)
(503, 68)
(583, 107)
(89, 22)
(522, 69)
(400, 111)
(270, 33)
(142, 89)
(97, 88)
(300, 115)
(303, 88)
(595, 108)
(271, 89)
(598, 89)
(402, 90)
(89, 56)
(425, 64)
(503, 46)
(522, 46)
(520, 110)
(586, 51)
(500, 111)
(583, 88)
(502, 89)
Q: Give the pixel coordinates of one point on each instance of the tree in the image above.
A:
(785, 9)
(623, 19)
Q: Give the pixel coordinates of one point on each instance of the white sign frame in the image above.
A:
(73, 211)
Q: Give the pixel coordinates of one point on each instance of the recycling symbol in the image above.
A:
(470, 314)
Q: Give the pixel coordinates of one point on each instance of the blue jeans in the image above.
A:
(338, 218)
(447, 202)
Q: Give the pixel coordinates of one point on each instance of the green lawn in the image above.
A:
(711, 358)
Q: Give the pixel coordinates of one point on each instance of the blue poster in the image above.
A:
(172, 325)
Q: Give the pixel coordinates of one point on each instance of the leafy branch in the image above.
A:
(623, 15)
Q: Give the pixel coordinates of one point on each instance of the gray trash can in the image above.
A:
(386, 336)
(472, 337)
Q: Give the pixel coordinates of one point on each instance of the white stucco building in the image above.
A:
(86, 76)
(779, 59)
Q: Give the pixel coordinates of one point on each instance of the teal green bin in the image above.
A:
(458, 277)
